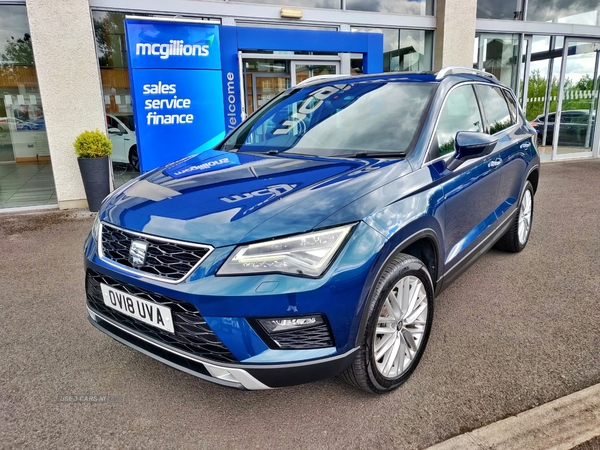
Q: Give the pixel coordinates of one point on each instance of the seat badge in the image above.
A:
(137, 253)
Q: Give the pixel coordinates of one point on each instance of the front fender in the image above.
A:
(423, 228)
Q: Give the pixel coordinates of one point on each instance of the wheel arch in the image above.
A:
(422, 243)
(534, 177)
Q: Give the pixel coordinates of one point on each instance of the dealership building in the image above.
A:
(64, 68)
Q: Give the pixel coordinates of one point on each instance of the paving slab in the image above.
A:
(562, 424)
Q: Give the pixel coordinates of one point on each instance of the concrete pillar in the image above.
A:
(65, 58)
(455, 34)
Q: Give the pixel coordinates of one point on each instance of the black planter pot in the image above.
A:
(96, 180)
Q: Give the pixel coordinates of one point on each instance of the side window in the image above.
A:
(512, 106)
(495, 107)
(460, 113)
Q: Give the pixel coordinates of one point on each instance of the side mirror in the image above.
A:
(114, 131)
(471, 145)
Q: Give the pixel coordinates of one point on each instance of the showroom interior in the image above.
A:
(63, 69)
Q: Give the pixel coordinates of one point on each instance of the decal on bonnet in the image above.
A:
(275, 190)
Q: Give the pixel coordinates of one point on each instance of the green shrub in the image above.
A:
(92, 144)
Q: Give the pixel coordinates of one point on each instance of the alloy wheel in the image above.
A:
(525, 217)
(400, 327)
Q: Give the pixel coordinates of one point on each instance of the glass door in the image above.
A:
(265, 86)
(302, 70)
(6, 150)
(263, 80)
(577, 110)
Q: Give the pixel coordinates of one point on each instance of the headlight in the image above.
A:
(306, 254)
(96, 227)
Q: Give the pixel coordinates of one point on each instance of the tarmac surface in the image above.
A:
(513, 332)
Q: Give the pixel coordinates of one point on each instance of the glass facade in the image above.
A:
(403, 50)
(579, 12)
(504, 10)
(111, 49)
(25, 172)
(404, 7)
(331, 4)
(498, 54)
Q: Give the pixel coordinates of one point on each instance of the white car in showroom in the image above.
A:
(121, 131)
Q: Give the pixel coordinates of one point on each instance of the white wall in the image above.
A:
(69, 81)
(455, 34)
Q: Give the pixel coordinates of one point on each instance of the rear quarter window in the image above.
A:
(512, 106)
(495, 108)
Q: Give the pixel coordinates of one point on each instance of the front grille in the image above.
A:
(167, 260)
(318, 336)
(192, 333)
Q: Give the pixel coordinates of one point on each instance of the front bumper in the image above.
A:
(220, 312)
(241, 376)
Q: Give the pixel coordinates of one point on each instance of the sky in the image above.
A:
(13, 22)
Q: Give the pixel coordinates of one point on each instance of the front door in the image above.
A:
(470, 190)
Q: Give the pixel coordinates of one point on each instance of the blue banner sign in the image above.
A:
(173, 45)
(177, 88)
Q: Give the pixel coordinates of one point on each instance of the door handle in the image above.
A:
(495, 163)
(525, 145)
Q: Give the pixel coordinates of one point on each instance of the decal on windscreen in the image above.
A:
(309, 106)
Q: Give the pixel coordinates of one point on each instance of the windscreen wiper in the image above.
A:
(379, 155)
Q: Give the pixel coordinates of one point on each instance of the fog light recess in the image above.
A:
(283, 324)
(294, 333)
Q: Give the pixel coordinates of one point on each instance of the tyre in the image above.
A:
(397, 327)
(516, 237)
(134, 158)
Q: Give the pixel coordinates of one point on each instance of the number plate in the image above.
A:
(156, 315)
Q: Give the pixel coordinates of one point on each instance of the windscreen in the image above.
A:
(337, 119)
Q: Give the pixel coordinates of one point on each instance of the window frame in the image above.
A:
(511, 101)
(504, 93)
(429, 159)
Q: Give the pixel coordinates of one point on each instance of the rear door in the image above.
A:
(509, 158)
(514, 145)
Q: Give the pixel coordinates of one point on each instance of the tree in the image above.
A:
(536, 93)
(110, 39)
(18, 53)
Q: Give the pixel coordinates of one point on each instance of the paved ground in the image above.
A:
(513, 332)
(570, 422)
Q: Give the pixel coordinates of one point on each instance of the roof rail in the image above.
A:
(453, 70)
(324, 77)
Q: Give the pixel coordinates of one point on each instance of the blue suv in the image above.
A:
(312, 241)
